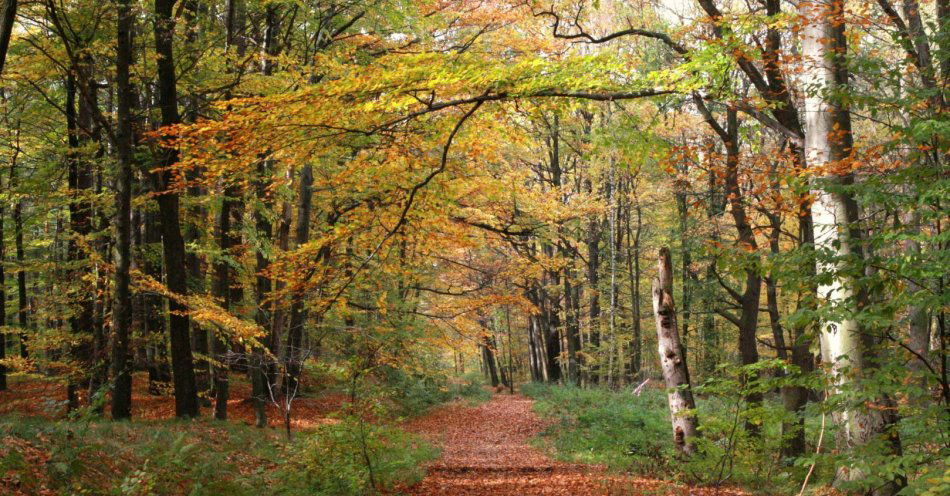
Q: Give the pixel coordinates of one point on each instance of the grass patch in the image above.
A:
(621, 431)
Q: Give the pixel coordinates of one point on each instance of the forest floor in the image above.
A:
(47, 399)
(486, 450)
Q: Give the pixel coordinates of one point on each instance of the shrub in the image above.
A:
(352, 457)
(619, 430)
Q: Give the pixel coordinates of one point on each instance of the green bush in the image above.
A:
(619, 430)
(352, 457)
(414, 394)
(205, 457)
(632, 434)
(200, 457)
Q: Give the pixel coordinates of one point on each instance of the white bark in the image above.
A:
(673, 358)
(839, 339)
(827, 149)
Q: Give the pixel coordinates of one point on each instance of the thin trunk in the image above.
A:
(23, 304)
(511, 379)
(633, 268)
(488, 355)
(80, 180)
(593, 284)
(673, 358)
(222, 290)
(682, 209)
(298, 311)
(572, 327)
(173, 245)
(122, 311)
(3, 299)
(262, 224)
(749, 300)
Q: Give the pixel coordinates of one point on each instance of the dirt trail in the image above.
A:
(486, 451)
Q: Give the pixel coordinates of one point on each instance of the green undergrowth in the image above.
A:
(739, 445)
(415, 395)
(631, 434)
(597, 426)
(347, 454)
(203, 457)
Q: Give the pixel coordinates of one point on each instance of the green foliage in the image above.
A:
(205, 457)
(140, 458)
(352, 457)
(616, 429)
(413, 394)
(632, 434)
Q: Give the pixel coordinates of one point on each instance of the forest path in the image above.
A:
(486, 451)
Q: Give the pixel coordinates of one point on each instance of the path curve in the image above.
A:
(486, 451)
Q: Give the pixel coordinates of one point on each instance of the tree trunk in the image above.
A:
(552, 337)
(593, 285)
(572, 327)
(7, 18)
(153, 319)
(673, 358)
(488, 355)
(80, 178)
(3, 309)
(828, 143)
(633, 269)
(298, 312)
(682, 209)
(749, 300)
(122, 311)
(23, 303)
(222, 290)
(173, 246)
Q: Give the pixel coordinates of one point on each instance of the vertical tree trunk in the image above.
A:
(511, 379)
(23, 306)
(572, 327)
(593, 284)
(173, 246)
(834, 212)
(298, 312)
(749, 300)
(23, 303)
(633, 270)
(193, 231)
(222, 290)
(122, 311)
(80, 179)
(673, 358)
(488, 355)
(3, 309)
(153, 318)
(7, 18)
(264, 228)
(682, 209)
(795, 397)
(552, 336)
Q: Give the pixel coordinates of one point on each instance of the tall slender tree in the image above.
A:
(173, 245)
(122, 310)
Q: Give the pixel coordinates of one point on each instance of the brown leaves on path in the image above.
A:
(486, 451)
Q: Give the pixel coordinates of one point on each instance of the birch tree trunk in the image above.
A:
(673, 358)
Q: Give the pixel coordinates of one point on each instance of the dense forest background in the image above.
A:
(708, 238)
